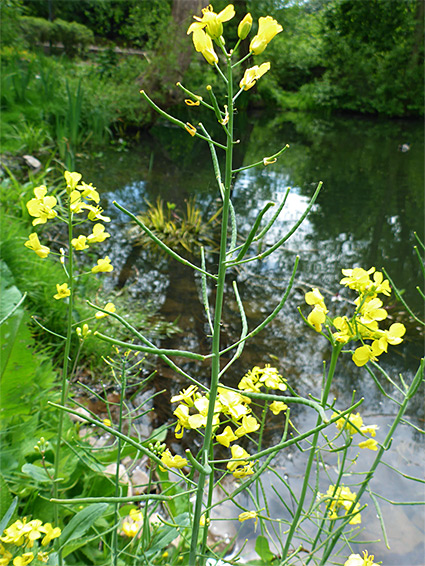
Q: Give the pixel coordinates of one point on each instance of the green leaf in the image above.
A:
(81, 523)
(6, 517)
(263, 550)
(37, 473)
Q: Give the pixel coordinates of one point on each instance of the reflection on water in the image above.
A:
(371, 203)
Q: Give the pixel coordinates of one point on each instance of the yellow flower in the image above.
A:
(391, 336)
(315, 298)
(95, 213)
(245, 26)
(110, 307)
(187, 396)
(226, 437)
(370, 310)
(246, 515)
(71, 180)
(15, 533)
(7, 556)
(343, 497)
(89, 192)
(182, 414)
(239, 468)
(107, 422)
(136, 515)
(80, 243)
(357, 560)
(357, 278)
(352, 420)
(345, 332)
(243, 471)
(380, 285)
(103, 266)
(23, 560)
(62, 291)
(277, 407)
(272, 379)
(251, 381)
(370, 443)
(267, 29)
(364, 354)
(41, 206)
(316, 318)
(75, 203)
(33, 243)
(172, 461)
(211, 21)
(33, 531)
(43, 556)
(98, 235)
(232, 403)
(130, 529)
(249, 424)
(252, 75)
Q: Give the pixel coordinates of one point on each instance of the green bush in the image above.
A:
(74, 37)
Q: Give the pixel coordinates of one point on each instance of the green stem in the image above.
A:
(325, 393)
(64, 382)
(215, 363)
(115, 553)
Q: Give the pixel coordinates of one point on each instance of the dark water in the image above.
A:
(371, 203)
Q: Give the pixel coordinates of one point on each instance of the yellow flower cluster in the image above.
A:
(364, 325)
(42, 208)
(355, 424)
(209, 28)
(357, 560)
(342, 498)
(234, 407)
(22, 535)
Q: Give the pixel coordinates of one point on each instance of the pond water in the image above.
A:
(371, 203)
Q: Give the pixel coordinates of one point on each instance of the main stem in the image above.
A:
(215, 350)
(64, 384)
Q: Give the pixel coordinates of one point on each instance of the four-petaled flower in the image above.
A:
(212, 22)
(110, 307)
(103, 266)
(41, 206)
(357, 560)
(62, 291)
(172, 461)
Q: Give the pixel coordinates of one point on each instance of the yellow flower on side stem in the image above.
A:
(33, 243)
(249, 424)
(98, 235)
(203, 44)
(191, 129)
(252, 75)
(110, 307)
(62, 291)
(226, 437)
(267, 29)
(277, 407)
(103, 266)
(370, 443)
(246, 515)
(172, 461)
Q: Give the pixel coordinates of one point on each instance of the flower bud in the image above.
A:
(245, 26)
